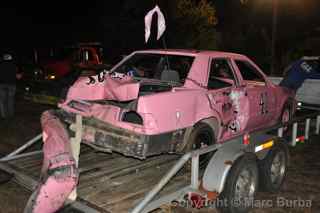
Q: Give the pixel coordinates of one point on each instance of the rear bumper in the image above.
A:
(129, 143)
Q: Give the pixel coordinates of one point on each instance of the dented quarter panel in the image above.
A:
(180, 114)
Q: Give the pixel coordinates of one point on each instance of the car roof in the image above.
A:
(191, 52)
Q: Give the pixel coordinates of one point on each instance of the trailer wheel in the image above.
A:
(241, 186)
(272, 169)
(201, 136)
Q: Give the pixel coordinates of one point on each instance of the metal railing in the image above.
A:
(16, 153)
(194, 155)
(295, 122)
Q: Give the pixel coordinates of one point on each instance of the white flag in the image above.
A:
(148, 21)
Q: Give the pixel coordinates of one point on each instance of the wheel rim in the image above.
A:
(204, 139)
(278, 167)
(245, 187)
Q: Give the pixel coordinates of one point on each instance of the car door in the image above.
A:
(222, 85)
(257, 92)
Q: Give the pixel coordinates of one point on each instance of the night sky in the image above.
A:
(27, 24)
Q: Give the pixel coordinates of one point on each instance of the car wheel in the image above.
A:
(201, 136)
(272, 169)
(240, 187)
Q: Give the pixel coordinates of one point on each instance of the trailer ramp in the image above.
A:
(108, 182)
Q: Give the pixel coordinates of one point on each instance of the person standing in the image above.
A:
(299, 71)
(8, 75)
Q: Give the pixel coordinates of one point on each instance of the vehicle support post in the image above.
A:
(294, 134)
(195, 172)
(59, 175)
(280, 132)
(318, 125)
(307, 129)
(75, 144)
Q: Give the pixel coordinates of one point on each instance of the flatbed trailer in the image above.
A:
(114, 183)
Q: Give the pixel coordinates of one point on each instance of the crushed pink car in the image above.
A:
(172, 101)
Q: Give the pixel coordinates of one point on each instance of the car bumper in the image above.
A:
(129, 143)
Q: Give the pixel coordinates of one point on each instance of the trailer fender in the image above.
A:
(220, 164)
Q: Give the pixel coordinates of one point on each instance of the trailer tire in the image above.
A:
(272, 169)
(242, 180)
(244, 168)
(201, 136)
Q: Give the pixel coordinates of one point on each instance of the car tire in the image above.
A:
(201, 136)
(240, 187)
(273, 168)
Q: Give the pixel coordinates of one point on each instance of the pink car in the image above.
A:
(172, 101)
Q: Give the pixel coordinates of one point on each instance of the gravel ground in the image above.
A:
(300, 192)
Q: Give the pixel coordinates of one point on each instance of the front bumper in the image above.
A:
(129, 143)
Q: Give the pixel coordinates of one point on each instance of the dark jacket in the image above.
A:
(298, 72)
(8, 72)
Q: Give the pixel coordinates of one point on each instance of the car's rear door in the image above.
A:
(222, 87)
(261, 98)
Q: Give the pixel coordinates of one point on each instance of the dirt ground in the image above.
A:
(300, 192)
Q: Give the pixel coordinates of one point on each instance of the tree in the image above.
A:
(190, 24)
(193, 25)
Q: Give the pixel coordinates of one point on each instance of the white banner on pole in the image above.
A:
(148, 21)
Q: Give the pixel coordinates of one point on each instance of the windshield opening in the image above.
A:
(157, 66)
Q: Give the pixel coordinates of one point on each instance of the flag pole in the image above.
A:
(165, 48)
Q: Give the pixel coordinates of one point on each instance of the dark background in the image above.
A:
(119, 25)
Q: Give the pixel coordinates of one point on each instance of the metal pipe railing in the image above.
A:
(195, 172)
(318, 125)
(294, 134)
(162, 183)
(15, 157)
(182, 161)
(307, 129)
(196, 154)
(23, 147)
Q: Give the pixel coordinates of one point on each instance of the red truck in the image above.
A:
(45, 81)
(82, 54)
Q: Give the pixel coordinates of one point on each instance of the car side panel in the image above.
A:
(176, 110)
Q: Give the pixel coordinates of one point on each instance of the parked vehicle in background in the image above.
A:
(44, 81)
(309, 91)
(160, 101)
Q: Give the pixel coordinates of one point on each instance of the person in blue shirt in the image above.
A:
(299, 71)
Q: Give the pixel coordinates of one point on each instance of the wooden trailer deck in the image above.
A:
(115, 183)
(108, 182)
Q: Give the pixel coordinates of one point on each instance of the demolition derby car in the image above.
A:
(173, 101)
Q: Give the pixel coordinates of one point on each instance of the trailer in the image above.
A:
(115, 183)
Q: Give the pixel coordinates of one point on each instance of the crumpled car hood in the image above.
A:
(125, 89)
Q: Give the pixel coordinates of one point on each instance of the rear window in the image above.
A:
(152, 66)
